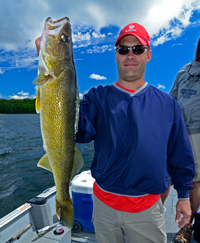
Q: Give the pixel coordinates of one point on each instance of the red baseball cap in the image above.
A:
(136, 30)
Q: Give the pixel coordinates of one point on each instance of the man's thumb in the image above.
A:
(178, 217)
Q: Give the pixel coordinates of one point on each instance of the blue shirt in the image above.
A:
(139, 139)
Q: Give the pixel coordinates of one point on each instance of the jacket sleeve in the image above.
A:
(180, 157)
(87, 116)
(174, 90)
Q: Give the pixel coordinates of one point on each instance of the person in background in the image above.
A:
(186, 90)
(140, 138)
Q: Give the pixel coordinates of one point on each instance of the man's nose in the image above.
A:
(130, 53)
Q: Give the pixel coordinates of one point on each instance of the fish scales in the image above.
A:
(60, 138)
(57, 103)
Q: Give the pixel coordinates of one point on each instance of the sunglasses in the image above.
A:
(137, 50)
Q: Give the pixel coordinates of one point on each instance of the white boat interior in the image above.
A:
(36, 220)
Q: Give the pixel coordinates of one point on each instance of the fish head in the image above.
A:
(56, 50)
(57, 38)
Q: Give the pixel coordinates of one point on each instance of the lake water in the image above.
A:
(20, 150)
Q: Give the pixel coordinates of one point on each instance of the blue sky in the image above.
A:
(174, 27)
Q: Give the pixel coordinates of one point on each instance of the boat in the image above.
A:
(36, 220)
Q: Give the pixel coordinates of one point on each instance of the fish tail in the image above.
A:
(65, 213)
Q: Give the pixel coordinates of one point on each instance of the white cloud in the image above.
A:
(17, 97)
(1, 95)
(18, 59)
(36, 88)
(83, 40)
(170, 23)
(160, 40)
(26, 20)
(81, 95)
(180, 44)
(164, 20)
(95, 35)
(97, 77)
(100, 49)
(81, 45)
(160, 86)
(22, 95)
(81, 37)
(35, 95)
(96, 11)
(2, 71)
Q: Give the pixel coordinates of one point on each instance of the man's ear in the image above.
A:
(149, 54)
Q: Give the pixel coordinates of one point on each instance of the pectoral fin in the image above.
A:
(44, 163)
(78, 163)
(40, 78)
(37, 102)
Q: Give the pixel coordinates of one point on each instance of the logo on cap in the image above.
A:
(131, 27)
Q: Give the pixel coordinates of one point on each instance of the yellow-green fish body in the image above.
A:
(57, 102)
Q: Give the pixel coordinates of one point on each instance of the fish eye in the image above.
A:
(64, 38)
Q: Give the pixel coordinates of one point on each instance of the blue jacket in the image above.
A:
(139, 139)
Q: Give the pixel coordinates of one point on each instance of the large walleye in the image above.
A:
(57, 102)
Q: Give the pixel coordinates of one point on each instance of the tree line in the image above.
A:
(16, 106)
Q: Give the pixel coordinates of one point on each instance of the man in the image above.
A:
(186, 90)
(139, 136)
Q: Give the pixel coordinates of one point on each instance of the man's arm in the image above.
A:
(174, 90)
(175, 87)
(181, 165)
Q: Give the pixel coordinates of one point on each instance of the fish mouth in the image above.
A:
(54, 27)
(49, 19)
(57, 22)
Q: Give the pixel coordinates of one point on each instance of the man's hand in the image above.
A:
(183, 207)
(37, 43)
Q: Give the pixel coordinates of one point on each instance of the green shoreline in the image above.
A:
(17, 106)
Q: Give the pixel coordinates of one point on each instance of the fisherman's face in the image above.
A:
(131, 67)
